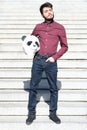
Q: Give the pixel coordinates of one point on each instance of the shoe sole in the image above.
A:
(57, 122)
(28, 123)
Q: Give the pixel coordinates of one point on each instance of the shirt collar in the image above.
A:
(48, 23)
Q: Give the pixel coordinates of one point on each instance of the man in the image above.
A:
(50, 33)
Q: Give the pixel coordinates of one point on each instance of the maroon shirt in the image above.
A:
(50, 35)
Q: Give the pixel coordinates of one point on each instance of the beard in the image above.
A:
(51, 19)
(48, 19)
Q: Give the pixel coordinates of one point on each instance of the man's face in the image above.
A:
(48, 13)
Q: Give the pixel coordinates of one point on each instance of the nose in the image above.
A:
(34, 45)
(49, 12)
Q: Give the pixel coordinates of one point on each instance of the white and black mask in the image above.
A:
(30, 44)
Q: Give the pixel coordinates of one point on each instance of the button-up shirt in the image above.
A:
(50, 35)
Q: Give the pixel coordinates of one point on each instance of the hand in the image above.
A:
(51, 59)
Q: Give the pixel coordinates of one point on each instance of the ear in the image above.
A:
(23, 37)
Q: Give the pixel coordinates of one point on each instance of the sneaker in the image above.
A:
(30, 119)
(54, 118)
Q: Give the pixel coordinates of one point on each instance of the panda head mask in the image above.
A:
(30, 44)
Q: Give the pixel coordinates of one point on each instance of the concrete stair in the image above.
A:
(18, 17)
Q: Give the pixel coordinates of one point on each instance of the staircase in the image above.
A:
(19, 17)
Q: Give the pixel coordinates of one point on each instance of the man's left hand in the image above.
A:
(51, 59)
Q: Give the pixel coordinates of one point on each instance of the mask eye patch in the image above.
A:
(29, 43)
(37, 44)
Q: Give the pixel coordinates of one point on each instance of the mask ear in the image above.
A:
(23, 37)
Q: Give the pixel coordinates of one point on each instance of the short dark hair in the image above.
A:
(47, 4)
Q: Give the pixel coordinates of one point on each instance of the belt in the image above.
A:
(44, 56)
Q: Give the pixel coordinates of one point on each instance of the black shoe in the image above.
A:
(54, 118)
(30, 119)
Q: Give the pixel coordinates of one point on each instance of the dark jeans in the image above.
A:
(50, 68)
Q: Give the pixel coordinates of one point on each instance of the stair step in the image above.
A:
(83, 36)
(24, 32)
(34, 22)
(71, 33)
(62, 64)
(66, 84)
(31, 26)
(18, 47)
(26, 73)
(45, 123)
(21, 55)
(42, 119)
(28, 13)
(43, 95)
(65, 108)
